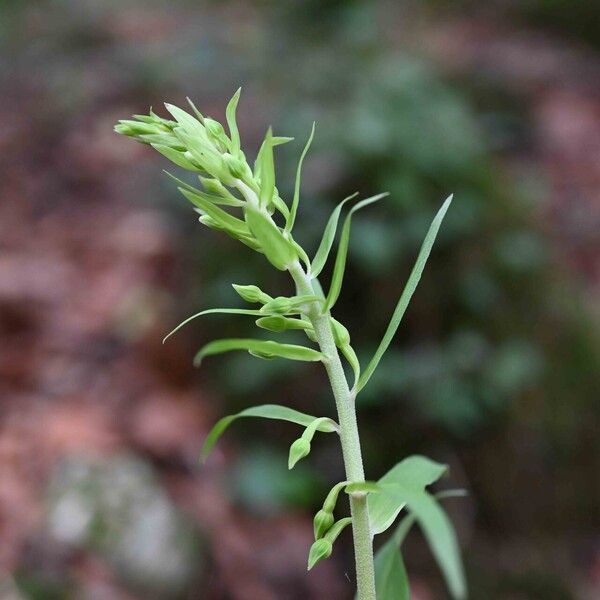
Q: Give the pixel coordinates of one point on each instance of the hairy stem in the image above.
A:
(345, 404)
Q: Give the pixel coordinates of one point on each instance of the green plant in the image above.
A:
(265, 222)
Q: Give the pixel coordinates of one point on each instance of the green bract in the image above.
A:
(244, 202)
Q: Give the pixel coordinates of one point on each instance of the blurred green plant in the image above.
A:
(244, 203)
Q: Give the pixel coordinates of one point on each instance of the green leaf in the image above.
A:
(191, 126)
(278, 250)
(266, 411)
(409, 290)
(340, 260)
(362, 487)
(266, 347)
(176, 157)
(318, 262)
(412, 473)
(439, 533)
(267, 171)
(223, 218)
(292, 217)
(232, 122)
(391, 579)
(212, 311)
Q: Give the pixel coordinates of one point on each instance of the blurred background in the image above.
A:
(496, 369)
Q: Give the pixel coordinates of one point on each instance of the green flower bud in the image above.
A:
(212, 186)
(320, 550)
(274, 323)
(214, 128)
(279, 305)
(252, 293)
(298, 450)
(235, 166)
(340, 333)
(322, 523)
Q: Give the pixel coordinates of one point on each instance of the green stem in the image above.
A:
(345, 404)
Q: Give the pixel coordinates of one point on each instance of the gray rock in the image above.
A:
(117, 508)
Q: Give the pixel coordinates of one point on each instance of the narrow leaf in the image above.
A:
(266, 347)
(440, 536)
(230, 111)
(412, 473)
(409, 290)
(266, 411)
(318, 262)
(292, 217)
(176, 157)
(391, 579)
(267, 171)
(212, 311)
(340, 260)
(223, 218)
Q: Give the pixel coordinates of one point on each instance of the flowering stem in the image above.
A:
(351, 451)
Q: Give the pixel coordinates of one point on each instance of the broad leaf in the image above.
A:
(318, 262)
(409, 290)
(340, 259)
(412, 473)
(292, 216)
(212, 311)
(232, 123)
(264, 347)
(266, 411)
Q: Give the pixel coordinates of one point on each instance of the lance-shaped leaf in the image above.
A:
(212, 311)
(340, 260)
(176, 157)
(391, 580)
(318, 262)
(292, 216)
(267, 171)
(264, 347)
(278, 250)
(266, 411)
(409, 290)
(439, 533)
(230, 111)
(190, 124)
(222, 218)
(412, 473)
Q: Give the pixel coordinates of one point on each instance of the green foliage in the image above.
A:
(200, 144)
(267, 411)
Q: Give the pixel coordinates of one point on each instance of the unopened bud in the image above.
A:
(320, 550)
(298, 450)
(279, 305)
(275, 323)
(234, 165)
(322, 523)
(252, 293)
(340, 333)
(214, 128)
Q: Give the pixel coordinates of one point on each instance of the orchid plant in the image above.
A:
(244, 202)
